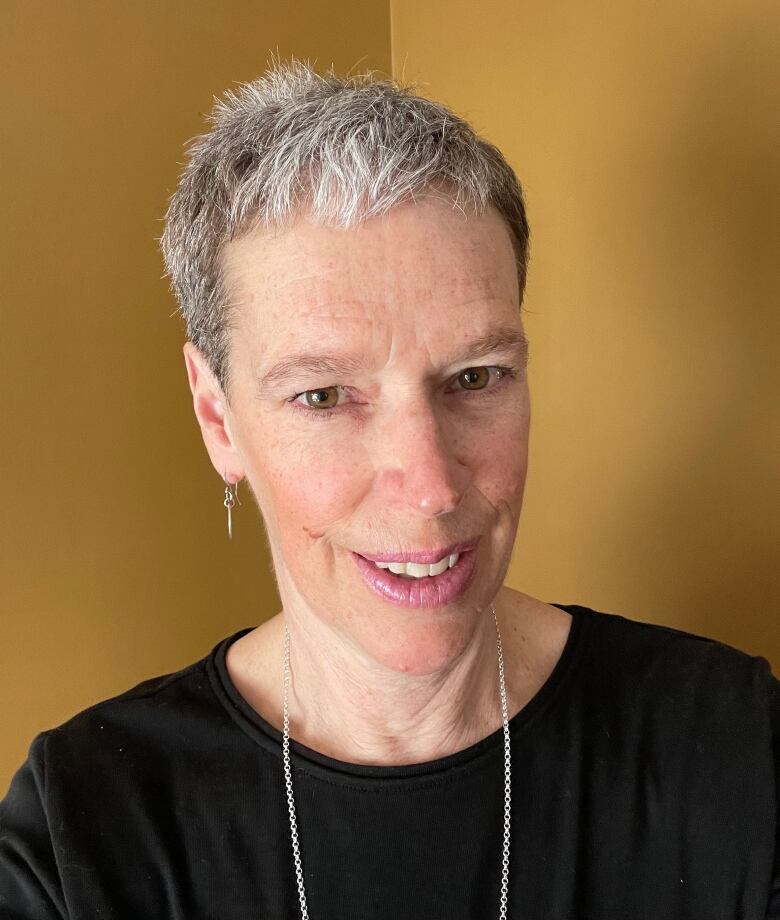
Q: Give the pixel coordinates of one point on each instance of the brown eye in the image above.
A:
(474, 378)
(322, 399)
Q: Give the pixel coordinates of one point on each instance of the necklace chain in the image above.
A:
(291, 799)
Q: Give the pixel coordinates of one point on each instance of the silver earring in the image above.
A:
(231, 497)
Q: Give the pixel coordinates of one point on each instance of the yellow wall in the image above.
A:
(114, 562)
(645, 140)
(648, 142)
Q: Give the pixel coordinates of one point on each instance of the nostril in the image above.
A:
(428, 504)
(424, 477)
(443, 503)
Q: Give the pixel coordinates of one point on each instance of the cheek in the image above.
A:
(498, 457)
(306, 492)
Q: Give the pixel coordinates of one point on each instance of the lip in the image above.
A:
(424, 557)
(430, 591)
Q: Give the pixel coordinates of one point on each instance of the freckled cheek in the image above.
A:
(499, 461)
(312, 498)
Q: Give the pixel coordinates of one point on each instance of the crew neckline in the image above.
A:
(311, 761)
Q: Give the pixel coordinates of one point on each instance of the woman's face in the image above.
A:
(370, 418)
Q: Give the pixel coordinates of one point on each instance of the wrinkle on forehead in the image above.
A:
(381, 279)
(320, 301)
(344, 253)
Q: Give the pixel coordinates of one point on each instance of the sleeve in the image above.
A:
(774, 894)
(30, 886)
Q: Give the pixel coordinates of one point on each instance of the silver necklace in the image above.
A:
(291, 801)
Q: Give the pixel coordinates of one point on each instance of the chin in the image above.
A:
(419, 643)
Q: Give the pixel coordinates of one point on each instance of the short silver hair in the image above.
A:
(341, 149)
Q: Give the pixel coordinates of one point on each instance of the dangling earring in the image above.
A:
(230, 499)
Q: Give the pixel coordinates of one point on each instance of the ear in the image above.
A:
(208, 402)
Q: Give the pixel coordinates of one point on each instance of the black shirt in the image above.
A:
(644, 785)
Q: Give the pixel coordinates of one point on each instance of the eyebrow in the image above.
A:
(502, 339)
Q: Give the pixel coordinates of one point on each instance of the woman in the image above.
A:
(407, 737)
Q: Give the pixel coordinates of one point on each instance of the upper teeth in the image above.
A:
(418, 570)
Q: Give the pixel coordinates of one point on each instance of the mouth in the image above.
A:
(423, 556)
(419, 569)
(428, 578)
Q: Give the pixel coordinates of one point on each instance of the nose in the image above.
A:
(418, 467)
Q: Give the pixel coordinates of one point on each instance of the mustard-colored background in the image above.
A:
(646, 137)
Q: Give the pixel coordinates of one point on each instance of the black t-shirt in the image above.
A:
(644, 787)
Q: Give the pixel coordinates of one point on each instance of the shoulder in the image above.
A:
(684, 686)
(122, 731)
(625, 666)
(657, 652)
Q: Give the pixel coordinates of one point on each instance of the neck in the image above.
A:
(351, 708)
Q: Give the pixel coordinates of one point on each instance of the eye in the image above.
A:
(326, 402)
(483, 378)
(474, 378)
(324, 398)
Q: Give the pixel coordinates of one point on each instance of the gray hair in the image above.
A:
(341, 148)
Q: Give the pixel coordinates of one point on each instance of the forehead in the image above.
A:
(422, 262)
